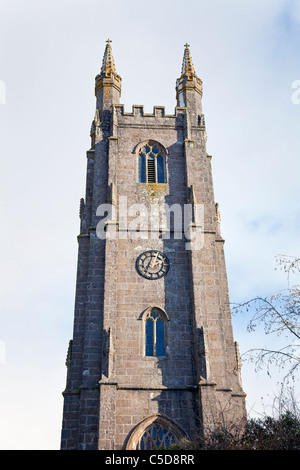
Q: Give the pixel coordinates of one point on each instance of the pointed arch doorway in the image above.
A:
(154, 432)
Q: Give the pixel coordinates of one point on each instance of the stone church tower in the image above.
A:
(152, 359)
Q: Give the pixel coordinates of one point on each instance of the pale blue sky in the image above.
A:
(247, 54)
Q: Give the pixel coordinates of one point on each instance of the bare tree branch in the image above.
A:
(279, 314)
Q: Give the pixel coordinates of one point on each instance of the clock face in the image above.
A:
(152, 264)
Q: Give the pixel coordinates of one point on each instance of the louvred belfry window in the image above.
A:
(151, 165)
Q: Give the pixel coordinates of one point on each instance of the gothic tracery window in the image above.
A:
(151, 164)
(154, 432)
(155, 333)
(156, 436)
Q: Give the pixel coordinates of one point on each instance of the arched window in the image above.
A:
(154, 432)
(151, 164)
(156, 436)
(155, 333)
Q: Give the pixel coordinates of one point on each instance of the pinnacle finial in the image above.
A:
(187, 64)
(108, 65)
(107, 83)
(189, 87)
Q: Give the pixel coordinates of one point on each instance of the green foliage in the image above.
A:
(270, 433)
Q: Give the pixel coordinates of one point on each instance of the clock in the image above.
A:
(152, 264)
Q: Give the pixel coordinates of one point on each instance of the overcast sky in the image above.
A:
(247, 54)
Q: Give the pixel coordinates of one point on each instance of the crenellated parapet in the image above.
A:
(157, 118)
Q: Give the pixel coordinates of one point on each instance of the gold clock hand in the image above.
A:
(153, 263)
(148, 265)
(157, 262)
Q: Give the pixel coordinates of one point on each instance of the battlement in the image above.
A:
(158, 117)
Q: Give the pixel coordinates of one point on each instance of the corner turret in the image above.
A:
(107, 83)
(189, 89)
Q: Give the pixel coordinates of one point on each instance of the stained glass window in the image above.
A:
(156, 436)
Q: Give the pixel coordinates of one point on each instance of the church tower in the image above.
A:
(152, 359)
